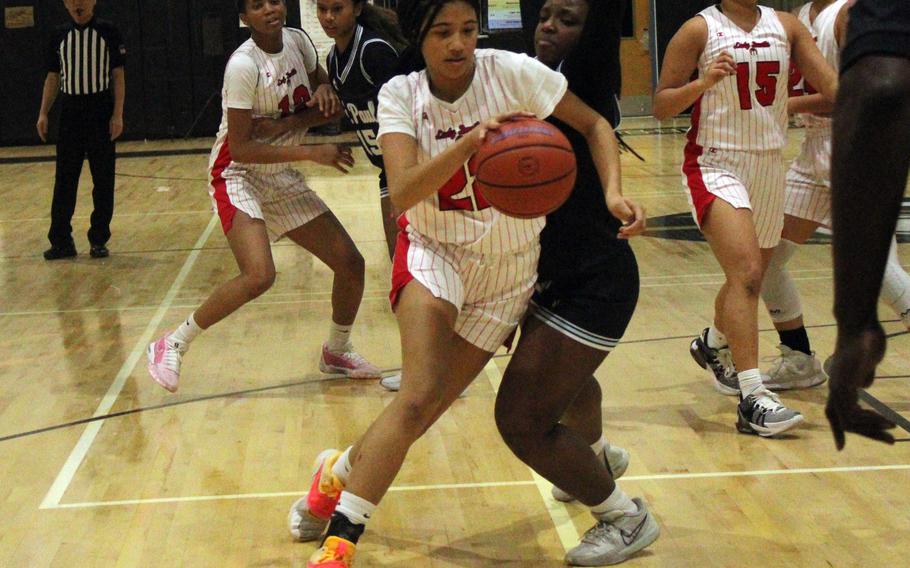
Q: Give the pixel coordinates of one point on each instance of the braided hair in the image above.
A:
(415, 18)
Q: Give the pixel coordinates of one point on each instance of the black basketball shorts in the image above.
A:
(877, 27)
(594, 306)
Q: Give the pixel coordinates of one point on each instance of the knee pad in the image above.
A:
(896, 285)
(778, 288)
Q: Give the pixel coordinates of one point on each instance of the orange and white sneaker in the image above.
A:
(310, 514)
(348, 363)
(335, 552)
(165, 356)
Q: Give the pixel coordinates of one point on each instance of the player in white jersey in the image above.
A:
(274, 90)
(734, 173)
(463, 271)
(808, 206)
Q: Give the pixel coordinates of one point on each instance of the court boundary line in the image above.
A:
(495, 484)
(83, 445)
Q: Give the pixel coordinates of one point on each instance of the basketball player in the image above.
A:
(548, 408)
(258, 195)
(463, 271)
(734, 174)
(364, 57)
(869, 165)
(807, 206)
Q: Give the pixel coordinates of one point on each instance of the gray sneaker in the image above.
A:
(391, 382)
(615, 537)
(617, 461)
(794, 370)
(763, 414)
(718, 361)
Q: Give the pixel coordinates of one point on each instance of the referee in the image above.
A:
(84, 60)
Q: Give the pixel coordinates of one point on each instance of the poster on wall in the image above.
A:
(503, 15)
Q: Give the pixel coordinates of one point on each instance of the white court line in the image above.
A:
(559, 514)
(68, 471)
(492, 484)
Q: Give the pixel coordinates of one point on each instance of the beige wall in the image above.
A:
(636, 59)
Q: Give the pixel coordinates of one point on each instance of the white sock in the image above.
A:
(342, 467)
(187, 331)
(339, 338)
(749, 381)
(896, 286)
(356, 509)
(716, 339)
(600, 446)
(617, 500)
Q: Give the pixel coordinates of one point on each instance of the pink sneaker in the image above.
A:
(165, 356)
(348, 363)
(310, 514)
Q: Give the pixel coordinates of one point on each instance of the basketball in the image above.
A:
(525, 169)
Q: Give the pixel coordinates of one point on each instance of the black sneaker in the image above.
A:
(718, 361)
(56, 253)
(99, 251)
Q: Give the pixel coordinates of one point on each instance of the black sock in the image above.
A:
(342, 527)
(796, 339)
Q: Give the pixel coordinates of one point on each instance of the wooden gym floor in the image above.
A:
(101, 467)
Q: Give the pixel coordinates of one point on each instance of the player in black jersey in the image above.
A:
(548, 408)
(869, 164)
(364, 57)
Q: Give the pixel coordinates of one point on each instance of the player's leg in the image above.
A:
(733, 239)
(389, 223)
(437, 366)
(249, 242)
(327, 239)
(547, 372)
(797, 366)
(869, 173)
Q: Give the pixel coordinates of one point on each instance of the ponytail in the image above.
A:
(384, 22)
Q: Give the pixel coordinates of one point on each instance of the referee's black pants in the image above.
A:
(84, 131)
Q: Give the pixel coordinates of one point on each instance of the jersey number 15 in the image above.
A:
(766, 73)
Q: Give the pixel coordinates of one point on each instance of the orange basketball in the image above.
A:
(526, 168)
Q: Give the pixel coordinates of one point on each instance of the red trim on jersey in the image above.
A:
(401, 276)
(226, 209)
(701, 197)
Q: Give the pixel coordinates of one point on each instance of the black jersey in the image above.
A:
(877, 27)
(357, 75)
(582, 232)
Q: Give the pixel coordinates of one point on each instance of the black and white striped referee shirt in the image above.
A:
(85, 55)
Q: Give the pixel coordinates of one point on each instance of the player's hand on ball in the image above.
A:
(720, 69)
(326, 100)
(336, 155)
(632, 215)
(479, 134)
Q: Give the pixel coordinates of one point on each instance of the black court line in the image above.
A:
(393, 369)
(156, 153)
(884, 409)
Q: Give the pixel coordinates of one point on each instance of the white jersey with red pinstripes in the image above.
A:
(747, 111)
(503, 82)
(270, 85)
(823, 29)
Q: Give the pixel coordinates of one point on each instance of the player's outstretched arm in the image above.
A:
(605, 151)
(675, 90)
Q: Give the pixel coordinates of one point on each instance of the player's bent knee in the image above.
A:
(258, 282)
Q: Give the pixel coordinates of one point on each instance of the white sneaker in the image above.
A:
(794, 370)
(763, 414)
(165, 356)
(391, 383)
(616, 536)
(617, 461)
